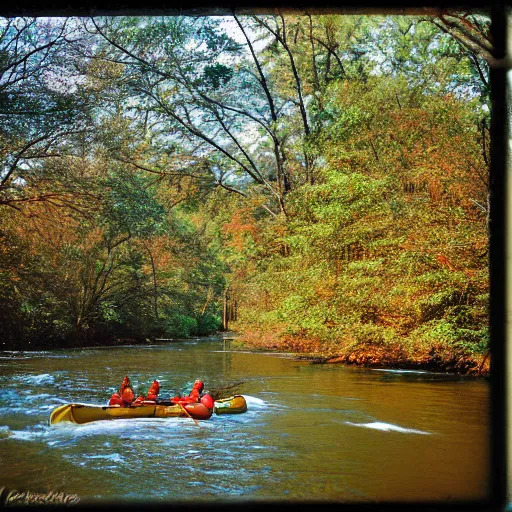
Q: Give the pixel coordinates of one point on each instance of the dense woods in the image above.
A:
(318, 183)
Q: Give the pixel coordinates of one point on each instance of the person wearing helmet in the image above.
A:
(151, 395)
(199, 396)
(153, 391)
(195, 396)
(196, 391)
(125, 396)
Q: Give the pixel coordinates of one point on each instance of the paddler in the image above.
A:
(125, 396)
(153, 391)
(195, 396)
(151, 395)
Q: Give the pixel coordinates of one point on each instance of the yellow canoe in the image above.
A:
(233, 405)
(85, 413)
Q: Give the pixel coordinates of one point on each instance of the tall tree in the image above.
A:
(43, 117)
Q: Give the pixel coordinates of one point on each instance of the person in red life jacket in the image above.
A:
(125, 396)
(195, 396)
(151, 395)
(153, 391)
(196, 391)
(192, 397)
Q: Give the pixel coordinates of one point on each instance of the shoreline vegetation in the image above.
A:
(318, 183)
(390, 356)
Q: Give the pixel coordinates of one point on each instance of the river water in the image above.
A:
(311, 432)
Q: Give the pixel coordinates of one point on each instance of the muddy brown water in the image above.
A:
(312, 432)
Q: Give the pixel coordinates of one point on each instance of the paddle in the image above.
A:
(188, 414)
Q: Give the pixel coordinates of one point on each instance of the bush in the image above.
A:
(179, 326)
(435, 306)
(448, 334)
(208, 324)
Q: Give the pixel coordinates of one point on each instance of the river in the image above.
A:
(311, 432)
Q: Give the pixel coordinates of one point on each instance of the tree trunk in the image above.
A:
(155, 288)
(225, 319)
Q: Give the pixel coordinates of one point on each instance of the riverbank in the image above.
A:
(104, 342)
(73, 344)
(398, 355)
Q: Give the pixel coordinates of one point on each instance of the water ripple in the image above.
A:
(44, 378)
(387, 427)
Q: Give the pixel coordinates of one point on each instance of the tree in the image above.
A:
(43, 116)
(200, 101)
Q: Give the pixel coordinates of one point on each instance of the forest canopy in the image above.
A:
(319, 181)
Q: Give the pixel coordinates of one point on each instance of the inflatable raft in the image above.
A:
(85, 413)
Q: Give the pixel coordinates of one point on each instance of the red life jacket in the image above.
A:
(128, 395)
(193, 397)
(116, 399)
(125, 395)
(153, 391)
(126, 384)
(184, 400)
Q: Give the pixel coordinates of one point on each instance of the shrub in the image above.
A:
(207, 324)
(448, 334)
(179, 326)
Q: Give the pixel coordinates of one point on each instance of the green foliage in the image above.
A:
(217, 75)
(437, 304)
(180, 326)
(131, 206)
(208, 324)
(335, 179)
(444, 332)
(372, 244)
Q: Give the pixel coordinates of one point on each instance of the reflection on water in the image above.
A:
(321, 432)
